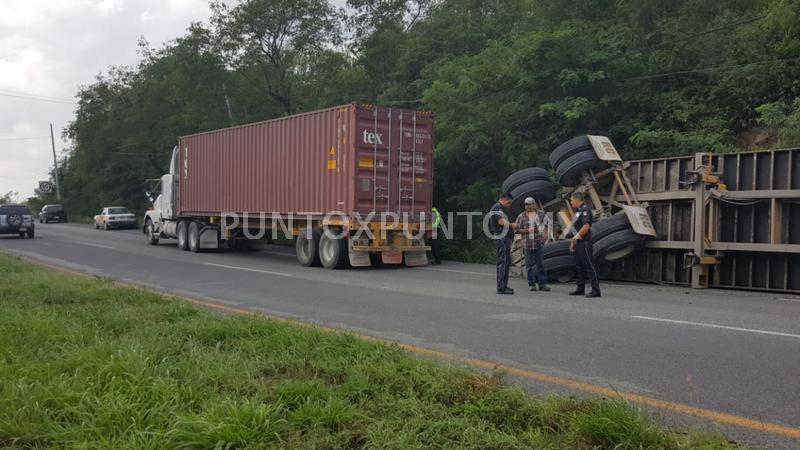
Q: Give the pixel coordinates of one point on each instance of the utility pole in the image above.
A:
(55, 163)
(227, 103)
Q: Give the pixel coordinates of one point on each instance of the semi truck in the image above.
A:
(352, 185)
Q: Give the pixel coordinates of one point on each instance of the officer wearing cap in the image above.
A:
(502, 233)
(534, 226)
(581, 245)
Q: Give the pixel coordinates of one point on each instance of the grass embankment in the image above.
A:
(90, 364)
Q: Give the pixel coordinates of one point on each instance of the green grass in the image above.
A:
(85, 363)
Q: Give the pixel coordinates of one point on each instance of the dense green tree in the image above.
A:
(507, 80)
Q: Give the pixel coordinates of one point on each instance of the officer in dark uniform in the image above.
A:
(502, 232)
(581, 245)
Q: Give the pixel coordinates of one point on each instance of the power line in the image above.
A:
(23, 97)
(708, 69)
(33, 94)
(25, 138)
(703, 33)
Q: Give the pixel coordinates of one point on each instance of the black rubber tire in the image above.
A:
(308, 250)
(193, 237)
(182, 235)
(560, 268)
(617, 246)
(333, 253)
(558, 248)
(14, 220)
(541, 190)
(150, 233)
(31, 233)
(96, 226)
(570, 171)
(568, 149)
(22, 235)
(523, 176)
(605, 227)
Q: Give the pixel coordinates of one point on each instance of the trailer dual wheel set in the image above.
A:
(578, 167)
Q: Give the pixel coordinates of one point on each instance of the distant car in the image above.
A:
(54, 213)
(114, 217)
(16, 219)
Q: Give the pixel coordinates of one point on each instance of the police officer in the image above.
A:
(502, 233)
(581, 245)
(436, 255)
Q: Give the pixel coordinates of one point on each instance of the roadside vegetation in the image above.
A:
(506, 80)
(85, 363)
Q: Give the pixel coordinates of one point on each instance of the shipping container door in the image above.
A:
(393, 167)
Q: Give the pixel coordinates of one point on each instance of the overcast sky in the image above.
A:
(49, 48)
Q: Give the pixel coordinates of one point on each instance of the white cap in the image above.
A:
(530, 201)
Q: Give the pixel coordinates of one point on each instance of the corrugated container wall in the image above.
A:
(348, 159)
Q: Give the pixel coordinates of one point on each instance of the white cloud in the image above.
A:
(50, 47)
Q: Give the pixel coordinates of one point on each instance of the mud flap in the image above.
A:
(392, 257)
(209, 238)
(358, 258)
(416, 258)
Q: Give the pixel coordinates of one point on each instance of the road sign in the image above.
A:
(45, 187)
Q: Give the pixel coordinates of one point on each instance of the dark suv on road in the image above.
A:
(52, 212)
(16, 219)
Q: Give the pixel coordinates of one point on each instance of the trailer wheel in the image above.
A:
(182, 235)
(307, 249)
(617, 246)
(560, 268)
(553, 249)
(333, 251)
(570, 171)
(613, 224)
(541, 190)
(568, 149)
(193, 237)
(524, 176)
(150, 233)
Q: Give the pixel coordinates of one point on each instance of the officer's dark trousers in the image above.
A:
(503, 262)
(436, 250)
(584, 265)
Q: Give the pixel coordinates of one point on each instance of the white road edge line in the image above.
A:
(247, 269)
(722, 327)
(98, 245)
(457, 271)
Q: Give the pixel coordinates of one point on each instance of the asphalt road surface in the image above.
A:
(730, 352)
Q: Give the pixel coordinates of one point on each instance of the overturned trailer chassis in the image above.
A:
(722, 220)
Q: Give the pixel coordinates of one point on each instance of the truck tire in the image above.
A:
(617, 246)
(558, 248)
(308, 249)
(560, 268)
(541, 190)
(150, 233)
(182, 235)
(570, 171)
(524, 176)
(31, 233)
(332, 251)
(604, 227)
(568, 149)
(193, 237)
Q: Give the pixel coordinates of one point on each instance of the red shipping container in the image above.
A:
(350, 159)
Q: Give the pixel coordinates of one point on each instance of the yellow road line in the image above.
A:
(709, 414)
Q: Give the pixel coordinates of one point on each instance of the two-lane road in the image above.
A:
(723, 351)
